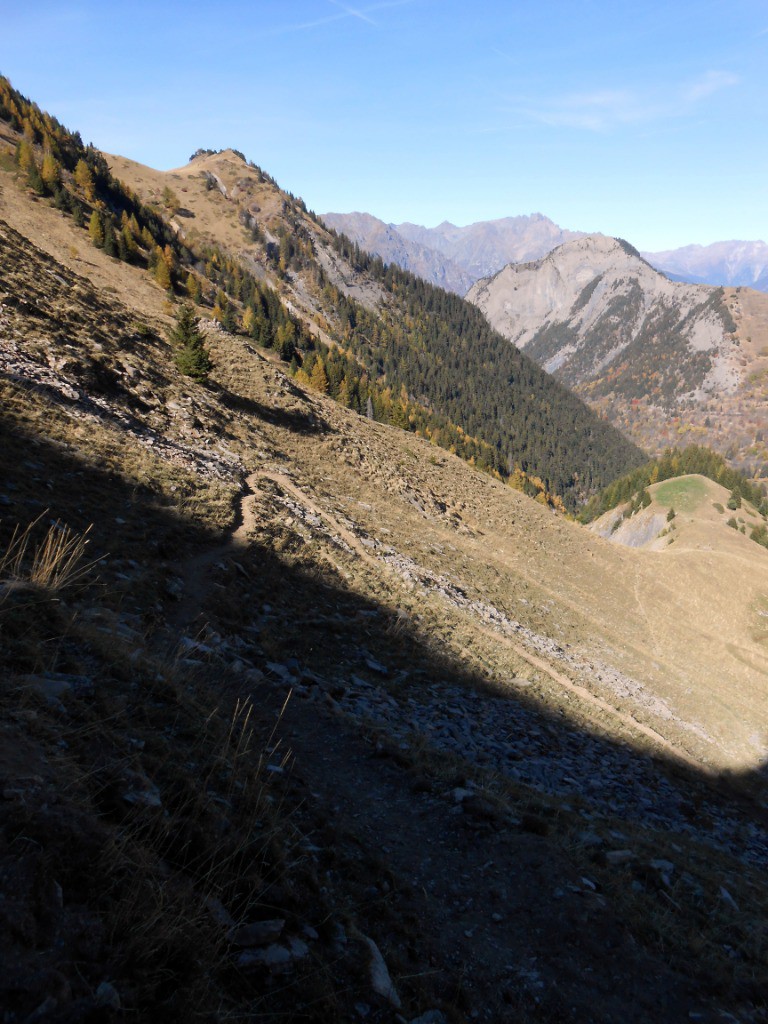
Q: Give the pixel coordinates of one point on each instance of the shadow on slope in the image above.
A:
(304, 420)
(124, 822)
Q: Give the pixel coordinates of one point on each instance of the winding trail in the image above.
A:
(195, 570)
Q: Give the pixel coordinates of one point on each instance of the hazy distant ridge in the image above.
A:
(722, 263)
(450, 256)
(455, 257)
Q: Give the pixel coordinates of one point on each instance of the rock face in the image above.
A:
(594, 312)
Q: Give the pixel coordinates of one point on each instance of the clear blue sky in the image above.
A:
(640, 119)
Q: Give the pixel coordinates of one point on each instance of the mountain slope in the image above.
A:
(335, 726)
(455, 257)
(482, 248)
(368, 335)
(386, 241)
(430, 352)
(436, 630)
(639, 347)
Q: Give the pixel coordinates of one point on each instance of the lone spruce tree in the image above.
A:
(192, 358)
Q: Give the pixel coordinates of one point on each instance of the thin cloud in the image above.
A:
(344, 12)
(607, 109)
(709, 84)
(353, 13)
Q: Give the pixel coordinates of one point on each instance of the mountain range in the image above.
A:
(448, 255)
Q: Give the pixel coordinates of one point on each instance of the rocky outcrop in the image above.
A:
(595, 313)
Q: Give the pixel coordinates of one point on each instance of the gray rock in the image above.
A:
(298, 948)
(219, 912)
(619, 856)
(380, 979)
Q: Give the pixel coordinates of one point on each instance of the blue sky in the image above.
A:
(645, 120)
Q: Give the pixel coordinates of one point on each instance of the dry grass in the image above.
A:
(53, 563)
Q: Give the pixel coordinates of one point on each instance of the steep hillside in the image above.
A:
(661, 359)
(690, 512)
(474, 684)
(377, 339)
(440, 371)
(304, 718)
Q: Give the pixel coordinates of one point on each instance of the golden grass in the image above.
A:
(53, 563)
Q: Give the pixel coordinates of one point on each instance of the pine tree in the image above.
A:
(128, 243)
(192, 357)
(35, 180)
(193, 288)
(110, 243)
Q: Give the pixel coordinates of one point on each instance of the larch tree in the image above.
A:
(50, 171)
(96, 230)
(319, 378)
(84, 179)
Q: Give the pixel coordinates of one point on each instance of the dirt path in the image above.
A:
(194, 574)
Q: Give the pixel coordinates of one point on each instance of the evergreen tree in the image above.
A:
(192, 357)
(110, 243)
(228, 318)
(35, 180)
